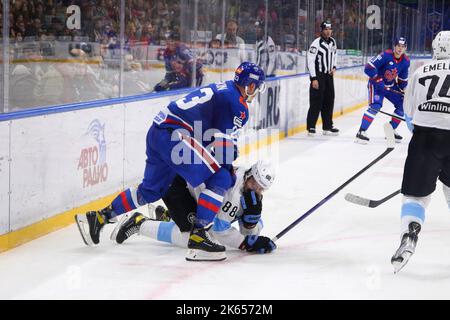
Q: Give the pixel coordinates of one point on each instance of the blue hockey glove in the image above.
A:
(259, 244)
(377, 82)
(252, 207)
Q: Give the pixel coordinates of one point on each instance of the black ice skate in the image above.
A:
(90, 225)
(203, 247)
(311, 132)
(407, 247)
(127, 227)
(398, 138)
(331, 132)
(361, 137)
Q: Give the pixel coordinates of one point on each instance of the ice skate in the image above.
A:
(331, 132)
(311, 132)
(398, 138)
(91, 224)
(361, 137)
(128, 227)
(407, 247)
(203, 247)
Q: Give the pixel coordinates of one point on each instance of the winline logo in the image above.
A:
(435, 106)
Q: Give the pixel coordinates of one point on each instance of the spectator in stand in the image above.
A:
(179, 62)
(231, 35)
(148, 34)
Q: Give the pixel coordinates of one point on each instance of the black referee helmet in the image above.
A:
(325, 25)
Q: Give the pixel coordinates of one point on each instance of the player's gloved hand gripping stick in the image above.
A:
(389, 132)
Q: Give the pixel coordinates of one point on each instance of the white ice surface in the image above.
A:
(341, 251)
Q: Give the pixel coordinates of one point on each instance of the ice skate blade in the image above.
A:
(328, 133)
(360, 141)
(82, 222)
(398, 265)
(200, 255)
(124, 219)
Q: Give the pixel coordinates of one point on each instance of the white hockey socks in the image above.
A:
(164, 231)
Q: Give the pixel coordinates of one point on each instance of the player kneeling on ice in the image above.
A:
(427, 113)
(179, 143)
(242, 203)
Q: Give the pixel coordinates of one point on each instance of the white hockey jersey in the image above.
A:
(428, 95)
(230, 212)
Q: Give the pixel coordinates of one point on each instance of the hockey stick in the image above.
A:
(353, 198)
(388, 114)
(390, 146)
(395, 91)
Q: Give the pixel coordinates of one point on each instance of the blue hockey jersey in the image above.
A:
(217, 106)
(392, 70)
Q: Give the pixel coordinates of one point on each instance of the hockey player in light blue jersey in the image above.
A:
(242, 205)
(388, 78)
(180, 142)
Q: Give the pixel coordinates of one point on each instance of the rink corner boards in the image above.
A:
(18, 237)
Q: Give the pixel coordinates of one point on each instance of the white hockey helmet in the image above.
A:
(263, 174)
(441, 45)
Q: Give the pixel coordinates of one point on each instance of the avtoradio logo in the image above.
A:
(93, 158)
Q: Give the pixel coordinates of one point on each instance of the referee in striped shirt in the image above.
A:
(321, 60)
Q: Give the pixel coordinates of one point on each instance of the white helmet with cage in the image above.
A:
(263, 174)
(441, 46)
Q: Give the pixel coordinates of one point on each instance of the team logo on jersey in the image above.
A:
(391, 63)
(390, 75)
(313, 50)
(92, 159)
(237, 122)
(243, 116)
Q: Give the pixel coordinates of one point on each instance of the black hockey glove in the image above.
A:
(252, 207)
(259, 244)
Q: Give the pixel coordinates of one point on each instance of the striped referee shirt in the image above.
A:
(321, 56)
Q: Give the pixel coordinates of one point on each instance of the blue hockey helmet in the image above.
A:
(248, 73)
(400, 40)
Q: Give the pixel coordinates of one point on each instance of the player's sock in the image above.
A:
(367, 119)
(126, 201)
(412, 211)
(164, 231)
(209, 203)
(394, 123)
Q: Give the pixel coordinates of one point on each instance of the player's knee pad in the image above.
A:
(182, 206)
(374, 108)
(446, 190)
(399, 111)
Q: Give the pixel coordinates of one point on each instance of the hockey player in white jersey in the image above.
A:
(242, 204)
(427, 112)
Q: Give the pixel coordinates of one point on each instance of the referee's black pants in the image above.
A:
(321, 101)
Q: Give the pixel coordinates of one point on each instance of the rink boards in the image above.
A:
(55, 165)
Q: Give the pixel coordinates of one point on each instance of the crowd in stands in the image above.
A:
(151, 22)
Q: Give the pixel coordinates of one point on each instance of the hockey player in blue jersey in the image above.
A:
(388, 78)
(181, 142)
